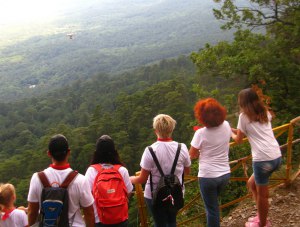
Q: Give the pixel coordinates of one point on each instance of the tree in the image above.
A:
(270, 59)
(257, 13)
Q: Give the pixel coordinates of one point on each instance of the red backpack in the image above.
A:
(110, 194)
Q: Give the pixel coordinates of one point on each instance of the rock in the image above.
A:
(291, 194)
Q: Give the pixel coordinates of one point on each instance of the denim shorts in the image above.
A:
(263, 170)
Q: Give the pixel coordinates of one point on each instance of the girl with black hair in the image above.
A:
(106, 157)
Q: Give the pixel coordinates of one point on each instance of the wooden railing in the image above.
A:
(290, 174)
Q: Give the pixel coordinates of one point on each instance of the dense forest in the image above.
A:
(124, 105)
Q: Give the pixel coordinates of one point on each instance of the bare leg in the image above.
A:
(262, 203)
(260, 195)
(252, 187)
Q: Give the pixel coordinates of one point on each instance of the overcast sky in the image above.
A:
(27, 11)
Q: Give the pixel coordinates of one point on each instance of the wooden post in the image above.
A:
(289, 148)
(141, 205)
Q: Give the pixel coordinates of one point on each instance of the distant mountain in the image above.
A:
(91, 37)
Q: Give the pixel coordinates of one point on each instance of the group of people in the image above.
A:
(210, 144)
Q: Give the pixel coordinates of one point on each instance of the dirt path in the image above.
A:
(284, 208)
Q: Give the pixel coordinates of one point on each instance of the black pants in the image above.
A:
(121, 224)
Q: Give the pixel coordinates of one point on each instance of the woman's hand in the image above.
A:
(140, 179)
(234, 130)
(237, 135)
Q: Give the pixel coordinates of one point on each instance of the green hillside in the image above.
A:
(121, 106)
(109, 37)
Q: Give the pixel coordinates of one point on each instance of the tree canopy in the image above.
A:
(256, 13)
(269, 59)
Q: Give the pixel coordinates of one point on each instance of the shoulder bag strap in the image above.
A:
(158, 167)
(176, 158)
(44, 179)
(156, 161)
(151, 182)
(69, 179)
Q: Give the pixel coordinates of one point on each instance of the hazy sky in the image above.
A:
(26, 11)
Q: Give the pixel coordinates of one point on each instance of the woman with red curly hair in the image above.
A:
(210, 145)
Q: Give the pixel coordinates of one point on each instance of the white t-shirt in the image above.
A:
(17, 218)
(79, 192)
(213, 144)
(91, 174)
(264, 146)
(165, 152)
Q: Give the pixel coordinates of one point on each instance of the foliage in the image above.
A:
(257, 13)
(270, 60)
(122, 106)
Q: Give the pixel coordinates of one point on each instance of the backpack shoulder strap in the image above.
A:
(156, 161)
(117, 166)
(69, 179)
(176, 158)
(44, 179)
(158, 167)
(98, 167)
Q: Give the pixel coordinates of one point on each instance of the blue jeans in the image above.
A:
(210, 189)
(161, 217)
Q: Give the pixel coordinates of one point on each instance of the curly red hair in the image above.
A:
(209, 112)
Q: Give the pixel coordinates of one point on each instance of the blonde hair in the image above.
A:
(7, 194)
(164, 125)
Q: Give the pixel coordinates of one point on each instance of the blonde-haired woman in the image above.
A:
(165, 150)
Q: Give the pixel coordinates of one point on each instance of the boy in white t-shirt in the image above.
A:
(9, 215)
(80, 195)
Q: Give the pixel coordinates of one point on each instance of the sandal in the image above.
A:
(253, 219)
(256, 224)
(252, 224)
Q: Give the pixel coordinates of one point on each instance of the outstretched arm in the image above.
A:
(237, 135)
(194, 153)
(33, 211)
(23, 208)
(187, 170)
(142, 178)
(89, 216)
